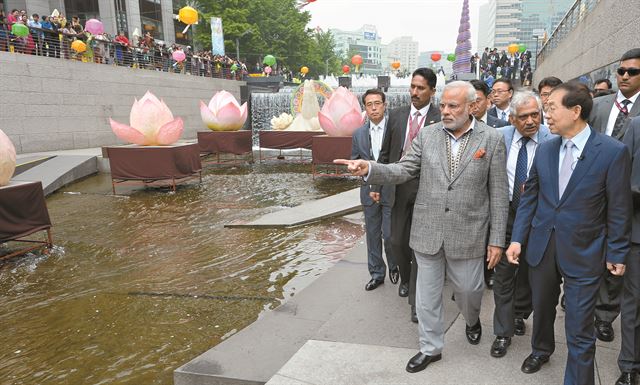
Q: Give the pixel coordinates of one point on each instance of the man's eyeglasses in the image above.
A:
(631, 71)
(499, 91)
(376, 103)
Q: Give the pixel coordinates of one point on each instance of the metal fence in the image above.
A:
(579, 10)
(58, 45)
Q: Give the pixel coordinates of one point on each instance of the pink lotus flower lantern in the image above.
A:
(7, 159)
(152, 123)
(223, 113)
(94, 27)
(341, 114)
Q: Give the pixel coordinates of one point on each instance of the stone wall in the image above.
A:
(51, 104)
(604, 34)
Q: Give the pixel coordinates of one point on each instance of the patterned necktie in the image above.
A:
(565, 169)
(621, 119)
(521, 172)
(414, 128)
(503, 116)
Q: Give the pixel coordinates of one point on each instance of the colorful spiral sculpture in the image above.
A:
(463, 43)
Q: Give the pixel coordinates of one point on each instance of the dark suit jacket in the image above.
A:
(361, 149)
(493, 112)
(602, 109)
(495, 122)
(393, 143)
(592, 221)
(632, 140)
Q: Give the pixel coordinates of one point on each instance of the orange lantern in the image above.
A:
(436, 56)
(512, 48)
(304, 70)
(79, 46)
(346, 69)
(395, 65)
(356, 60)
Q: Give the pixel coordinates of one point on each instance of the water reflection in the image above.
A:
(141, 283)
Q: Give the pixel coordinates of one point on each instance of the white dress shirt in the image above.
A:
(512, 160)
(506, 112)
(376, 133)
(613, 115)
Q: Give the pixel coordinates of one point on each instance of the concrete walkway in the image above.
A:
(335, 332)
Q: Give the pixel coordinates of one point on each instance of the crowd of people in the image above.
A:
(53, 36)
(529, 191)
(497, 65)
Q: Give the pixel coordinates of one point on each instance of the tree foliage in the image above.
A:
(266, 27)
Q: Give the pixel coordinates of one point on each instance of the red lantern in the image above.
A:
(356, 60)
(436, 56)
(346, 69)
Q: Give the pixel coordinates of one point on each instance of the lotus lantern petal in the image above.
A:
(223, 112)
(341, 114)
(7, 159)
(151, 123)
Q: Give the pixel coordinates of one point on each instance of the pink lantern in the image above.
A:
(94, 27)
(178, 56)
(267, 70)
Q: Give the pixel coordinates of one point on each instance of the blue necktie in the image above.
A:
(521, 172)
(503, 116)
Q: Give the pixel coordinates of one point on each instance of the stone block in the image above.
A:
(46, 142)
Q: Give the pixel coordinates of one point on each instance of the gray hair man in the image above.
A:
(460, 213)
(511, 290)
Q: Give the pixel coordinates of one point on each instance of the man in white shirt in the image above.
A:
(501, 93)
(611, 115)
(366, 144)
(544, 90)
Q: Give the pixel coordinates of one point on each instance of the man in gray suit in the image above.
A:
(511, 290)
(611, 115)
(366, 144)
(462, 201)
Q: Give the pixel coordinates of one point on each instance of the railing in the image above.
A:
(579, 10)
(58, 45)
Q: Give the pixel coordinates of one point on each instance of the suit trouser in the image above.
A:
(608, 300)
(580, 297)
(377, 219)
(401, 217)
(511, 290)
(629, 358)
(466, 277)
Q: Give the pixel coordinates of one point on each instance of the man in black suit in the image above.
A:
(611, 115)
(404, 124)
(482, 105)
(544, 90)
(501, 93)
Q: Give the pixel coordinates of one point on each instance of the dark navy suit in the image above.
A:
(571, 238)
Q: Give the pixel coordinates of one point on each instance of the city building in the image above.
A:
(364, 42)
(486, 26)
(405, 50)
(131, 16)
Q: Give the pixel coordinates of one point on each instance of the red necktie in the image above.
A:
(414, 128)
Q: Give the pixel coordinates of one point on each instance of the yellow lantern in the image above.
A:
(304, 70)
(79, 46)
(188, 15)
(512, 48)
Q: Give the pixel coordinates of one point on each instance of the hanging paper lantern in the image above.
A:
(356, 60)
(94, 27)
(269, 60)
(188, 15)
(395, 65)
(512, 48)
(451, 57)
(436, 56)
(79, 46)
(178, 55)
(346, 69)
(19, 30)
(304, 70)
(522, 48)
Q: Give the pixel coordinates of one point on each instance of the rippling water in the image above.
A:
(140, 283)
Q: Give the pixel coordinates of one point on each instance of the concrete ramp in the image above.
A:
(59, 171)
(334, 206)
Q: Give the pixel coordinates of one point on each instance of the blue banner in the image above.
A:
(217, 36)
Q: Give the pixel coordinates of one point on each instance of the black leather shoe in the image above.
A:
(533, 363)
(488, 279)
(626, 378)
(499, 346)
(604, 331)
(373, 284)
(403, 289)
(563, 302)
(519, 326)
(420, 361)
(414, 315)
(473, 333)
(394, 275)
